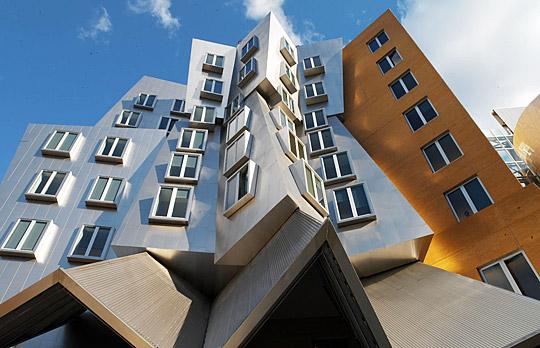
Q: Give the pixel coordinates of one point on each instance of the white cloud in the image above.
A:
(101, 24)
(487, 51)
(310, 34)
(160, 9)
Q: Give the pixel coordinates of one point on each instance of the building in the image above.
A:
(240, 210)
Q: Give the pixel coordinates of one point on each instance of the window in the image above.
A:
(281, 119)
(237, 124)
(178, 106)
(503, 143)
(389, 61)
(240, 188)
(287, 51)
(184, 167)
(60, 143)
(249, 48)
(420, 114)
(379, 40)
(247, 72)
(315, 119)
(24, 237)
(315, 93)
(46, 185)
(312, 62)
(146, 101)
(129, 119)
(105, 192)
(315, 186)
(287, 77)
(514, 273)
(213, 86)
(352, 204)
(292, 145)
(321, 141)
(236, 105)
(203, 114)
(92, 244)
(172, 205)
(237, 153)
(440, 152)
(287, 100)
(192, 139)
(214, 59)
(403, 85)
(468, 198)
(112, 149)
(167, 123)
(337, 167)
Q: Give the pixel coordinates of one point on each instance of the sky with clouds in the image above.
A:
(67, 62)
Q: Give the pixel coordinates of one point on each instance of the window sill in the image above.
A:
(204, 125)
(41, 197)
(144, 107)
(288, 83)
(323, 151)
(162, 220)
(314, 71)
(315, 204)
(339, 180)
(109, 159)
(247, 78)
(56, 153)
(356, 220)
(238, 205)
(323, 98)
(212, 68)
(83, 259)
(101, 204)
(120, 125)
(249, 54)
(18, 253)
(288, 56)
(179, 113)
(307, 130)
(181, 180)
(211, 96)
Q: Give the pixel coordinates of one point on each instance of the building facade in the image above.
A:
(259, 206)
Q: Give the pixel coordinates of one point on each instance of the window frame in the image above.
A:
(441, 151)
(314, 200)
(170, 220)
(420, 114)
(30, 194)
(250, 49)
(316, 97)
(203, 116)
(284, 136)
(246, 154)
(170, 118)
(102, 203)
(355, 218)
(287, 51)
(17, 251)
(110, 158)
(192, 140)
(278, 119)
(245, 125)
(86, 258)
(340, 178)
(180, 112)
(182, 178)
(376, 38)
(389, 61)
(143, 105)
(288, 103)
(312, 115)
(400, 80)
(244, 76)
(288, 78)
(214, 82)
(235, 106)
(253, 170)
(57, 152)
(323, 150)
(214, 60)
(466, 195)
(119, 124)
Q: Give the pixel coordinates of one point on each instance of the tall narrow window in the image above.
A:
(321, 141)
(235, 106)
(130, 119)
(60, 143)
(178, 106)
(237, 153)
(315, 119)
(112, 149)
(468, 198)
(167, 123)
(389, 61)
(514, 273)
(337, 167)
(91, 244)
(295, 148)
(146, 101)
(203, 114)
(315, 186)
(192, 139)
(184, 167)
(403, 85)
(172, 205)
(420, 114)
(240, 188)
(377, 42)
(441, 152)
(24, 237)
(286, 99)
(352, 204)
(105, 192)
(46, 185)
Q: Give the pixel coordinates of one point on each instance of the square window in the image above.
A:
(172, 205)
(60, 143)
(129, 119)
(112, 149)
(420, 114)
(403, 85)
(352, 205)
(240, 188)
(46, 185)
(105, 192)
(192, 140)
(24, 237)
(337, 168)
(314, 120)
(203, 115)
(91, 244)
(321, 141)
(184, 167)
(441, 152)
(178, 106)
(315, 93)
(468, 198)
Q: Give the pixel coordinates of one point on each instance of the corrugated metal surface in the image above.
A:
(423, 306)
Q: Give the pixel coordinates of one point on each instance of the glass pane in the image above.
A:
(329, 167)
(68, 142)
(219, 61)
(243, 182)
(524, 276)
(17, 234)
(344, 165)
(459, 203)
(494, 275)
(414, 119)
(319, 117)
(218, 87)
(319, 88)
(395, 58)
(384, 65)
(309, 120)
(141, 99)
(186, 138)
(382, 38)
(209, 115)
(119, 149)
(427, 110)
(99, 188)
(32, 239)
(231, 191)
(301, 150)
(113, 190)
(317, 61)
(42, 181)
(180, 204)
(124, 117)
(373, 45)
(310, 91)
(307, 63)
(177, 105)
(209, 59)
(150, 100)
(397, 89)
(434, 157)
(320, 191)
(163, 123)
(108, 145)
(310, 183)
(449, 147)
(133, 119)
(343, 204)
(315, 142)
(208, 85)
(360, 200)
(514, 155)
(409, 81)
(197, 115)
(292, 144)
(191, 167)
(199, 140)
(164, 199)
(99, 242)
(55, 140)
(176, 165)
(327, 138)
(171, 124)
(478, 194)
(55, 185)
(82, 244)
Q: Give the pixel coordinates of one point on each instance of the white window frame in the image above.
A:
(376, 39)
(182, 178)
(312, 115)
(441, 151)
(192, 140)
(314, 200)
(32, 195)
(170, 118)
(420, 114)
(57, 151)
(249, 48)
(315, 94)
(252, 184)
(400, 81)
(127, 125)
(287, 100)
(214, 82)
(101, 202)
(240, 122)
(506, 271)
(284, 136)
(340, 177)
(86, 257)
(282, 120)
(313, 66)
(229, 169)
(214, 59)
(355, 218)
(389, 61)
(153, 218)
(235, 106)
(245, 75)
(99, 156)
(323, 149)
(17, 251)
(182, 108)
(203, 116)
(466, 195)
(143, 105)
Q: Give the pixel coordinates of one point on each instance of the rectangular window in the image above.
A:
(192, 139)
(24, 237)
(60, 143)
(281, 119)
(112, 149)
(146, 101)
(296, 149)
(287, 100)
(203, 114)
(92, 244)
(352, 205)
(312, 62)
(237, 153)
(379, 40)
(247, 72)
(389, 61)
(130, 119)
(236, 105)
(249, 48)
(178, 106)
(240, 188)
(184, 167)
(47, 185)
(315, 119)
(105, 192)
(315, 186)
(167, 123)
(314, 89)
(213, 86)
(468, 198)
(403, 85)
(514, 273)
(337, 167)
(238, 124)
(420, 114)
(214, 59)
(441, 152)
(321, 141)
(172, 205)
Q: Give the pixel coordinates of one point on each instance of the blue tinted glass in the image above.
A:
(478, 194)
